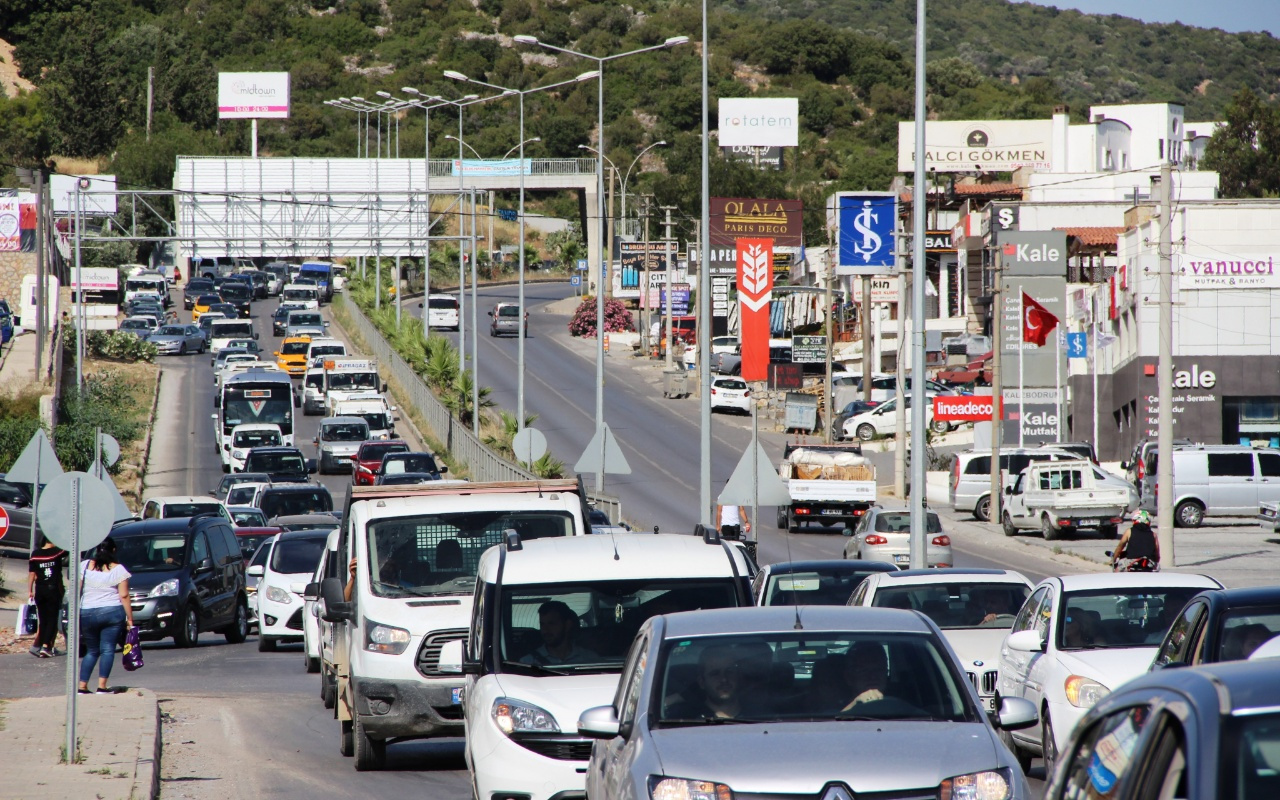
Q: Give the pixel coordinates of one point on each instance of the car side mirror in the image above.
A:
(1015, 713)
(336, 607)
(1026, 642)
(205, 565)
(214, 416)
(600, 722)
(442, 468)
(1008, 490)
(490, 313)
(255, 571)
(311, 591)
(450, 662)
(326, 323)
(847, 532)
(1125, 465)
(255, 336)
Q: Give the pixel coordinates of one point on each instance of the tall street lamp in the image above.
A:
(626, 176)
(427, 102)
(394, 105)
(458, 76)
(604, 261)
(344, 103)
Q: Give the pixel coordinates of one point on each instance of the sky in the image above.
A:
(1230, 15)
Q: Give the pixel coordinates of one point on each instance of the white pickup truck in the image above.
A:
(829, 485)
(1058, 497)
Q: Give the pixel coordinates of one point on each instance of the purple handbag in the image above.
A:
(132, 655)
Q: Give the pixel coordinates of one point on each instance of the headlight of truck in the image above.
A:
(237, 454)
(661, 788)
(517, 716)
(996, 784)
(168, 588)
(1084, 692)
(277, 595)
(379, 638)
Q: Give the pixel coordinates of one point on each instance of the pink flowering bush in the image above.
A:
(616, 318)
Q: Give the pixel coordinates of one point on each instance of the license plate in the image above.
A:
(1084, 523)
(831, 512)
(990, 703)
(455, 696)
(902, 559)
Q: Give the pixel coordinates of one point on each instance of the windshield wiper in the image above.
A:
(715, 721)
(520, 665)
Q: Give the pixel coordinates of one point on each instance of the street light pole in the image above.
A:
(705, 511)
(919, 203)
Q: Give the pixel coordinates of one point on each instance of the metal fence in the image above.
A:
(482, 463)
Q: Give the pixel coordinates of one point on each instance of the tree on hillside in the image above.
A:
(83, 96)
(1246, 151)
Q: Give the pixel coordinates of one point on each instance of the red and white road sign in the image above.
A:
(965, 408)
(4, 522)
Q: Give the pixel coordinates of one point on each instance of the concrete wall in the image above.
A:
(13, 267)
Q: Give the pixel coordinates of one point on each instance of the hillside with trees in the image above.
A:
(849, 62)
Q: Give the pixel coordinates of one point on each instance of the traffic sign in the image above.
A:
(575, 280)
(615, 463)
(808, 349)
(529, 445)
(4, 522)
(582, 265)
(110, 448)
(75, 500)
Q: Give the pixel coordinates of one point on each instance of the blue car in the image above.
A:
(6, 322)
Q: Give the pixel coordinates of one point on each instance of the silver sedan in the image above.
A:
(885, 535)
(840, 702)
(178, 339)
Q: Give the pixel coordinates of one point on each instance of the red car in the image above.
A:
(251, 538)
(368, 459)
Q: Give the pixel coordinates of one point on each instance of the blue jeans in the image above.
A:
(100, 630)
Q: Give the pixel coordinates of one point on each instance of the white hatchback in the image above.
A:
(883, 421)
(1078, 637)
(730, 393)
(282, 581)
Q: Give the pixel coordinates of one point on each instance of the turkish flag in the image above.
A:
(755, 291)
(1037, 322)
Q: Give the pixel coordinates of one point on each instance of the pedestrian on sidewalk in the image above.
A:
(104, 609)
(45, 587)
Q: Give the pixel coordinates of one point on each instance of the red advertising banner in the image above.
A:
(965, 408)
(755, 290)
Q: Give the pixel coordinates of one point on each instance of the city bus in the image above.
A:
(256, 396)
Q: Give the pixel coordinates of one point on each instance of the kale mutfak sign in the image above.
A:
(978, 145)
(1034, 253)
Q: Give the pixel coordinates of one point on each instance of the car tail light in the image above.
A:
(802, 511)
(941, 541)
(955, 474)
(713, 391)
(747, 393)
(876, 538)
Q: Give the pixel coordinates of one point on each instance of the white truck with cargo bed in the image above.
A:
(1057, 497)
(829, 484)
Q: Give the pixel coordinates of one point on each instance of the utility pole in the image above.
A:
(42, 310)
(994, 513)
(151, 85)
(646, 201)
(1164, 440)
(827, 312)
(670, 279)
(866, 338)
(613, 224)
(899, 397)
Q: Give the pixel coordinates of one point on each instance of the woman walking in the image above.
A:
(45, 587)
(104, 609)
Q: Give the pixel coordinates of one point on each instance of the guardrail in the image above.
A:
(462, 443)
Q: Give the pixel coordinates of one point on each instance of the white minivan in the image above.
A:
(552, 622)
(442, 311)
(417, 549)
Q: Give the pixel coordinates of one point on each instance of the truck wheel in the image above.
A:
(782, 518)
(866, 432)
(1007, 523)
(1188, 514)
(1110, 531)
(982, 511)
(791, 522)
(1047, 529)
(328, 691)
(345, 741)
(371, 754)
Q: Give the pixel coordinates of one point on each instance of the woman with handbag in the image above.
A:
(104, 609)
(45, 589)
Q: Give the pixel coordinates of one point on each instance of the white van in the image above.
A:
(303, 293)
(442, 311)
(222, 331)
(417, 549)
(551, 626)
(1227, 480)
(152, 284)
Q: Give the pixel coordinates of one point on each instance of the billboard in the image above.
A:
(253, 95)
(964, 408)
(755, 291)
(866, 224)
(1045, 366)
(734, 217)
(884, 289)
(759, 121)
(1042, 253)
(761, 157)
(493, 168)
(97, 194)
(978, 145)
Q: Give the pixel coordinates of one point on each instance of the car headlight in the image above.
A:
(168, 588)
(661, 788)
(237, 454)
(277, 595)
(386, 639)
(996, 784)
(1084, 692)
(517, 716)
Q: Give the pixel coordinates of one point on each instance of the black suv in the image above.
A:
(238, 293)
(281, 464)
(289, 499)
(187, 576)
(196, 287)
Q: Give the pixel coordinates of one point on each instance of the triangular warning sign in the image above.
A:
(615, 463)
(37, 450)
(754, 484)
(120, 509)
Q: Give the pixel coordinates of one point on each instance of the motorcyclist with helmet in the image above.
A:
(1139, 542)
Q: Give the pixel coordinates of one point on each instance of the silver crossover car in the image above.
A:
(819, 701)
(179, 339)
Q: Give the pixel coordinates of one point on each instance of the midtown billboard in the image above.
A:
(253, 95)
(759, 121)
(978, 145)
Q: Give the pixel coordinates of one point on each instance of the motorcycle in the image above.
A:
(1140, 564)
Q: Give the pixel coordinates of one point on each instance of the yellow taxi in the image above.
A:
(201, 305)
(292, 355)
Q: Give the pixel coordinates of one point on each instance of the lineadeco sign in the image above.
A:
(966, 408)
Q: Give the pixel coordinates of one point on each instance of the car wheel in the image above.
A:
(188, 632)
(1048, 529)
(866, 432)
(346, 741)
(182, 349)
(1188, 514)
(371, 754)
(326, 689)
(1007, 523)
(982, 511)
(939, 426)
(266, 644)
(1050, 750)
(1022, 756)
(782, 518)
(310, 662)
(238, 631)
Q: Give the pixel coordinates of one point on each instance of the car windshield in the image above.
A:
(327, 350)
(170, 330)
(1245, 630)
(434, 554)
(273, 463)
(588, 626)
(231, 328)
(206, 320)
(199, 285)
(1116, 619)
(296, 556)
(294, 348)
(208, 299)
(443, 302)
(291, 502)
(349, 381)
(1250, 766)
(959, 604)
(378, 451)
(314, 380)
(799, 676)
(900, 522)
(178, 510)
(299, 294)
(828, 587)
(248, 518)
(397, 464)
(283, 312)
(262, 438)
(406, 479)
(306, 319)
(344, 432)
(509, 311)
(154, 553)
(241, 495)
(377, 420)
(135, 324)
(250, 543)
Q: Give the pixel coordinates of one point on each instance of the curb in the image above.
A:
(146, 445)
(146, 776)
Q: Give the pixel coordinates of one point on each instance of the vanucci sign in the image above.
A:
(1228, 272)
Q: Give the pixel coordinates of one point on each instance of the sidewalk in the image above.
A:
(119, 747)
(1236, 552)
(17, 362)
